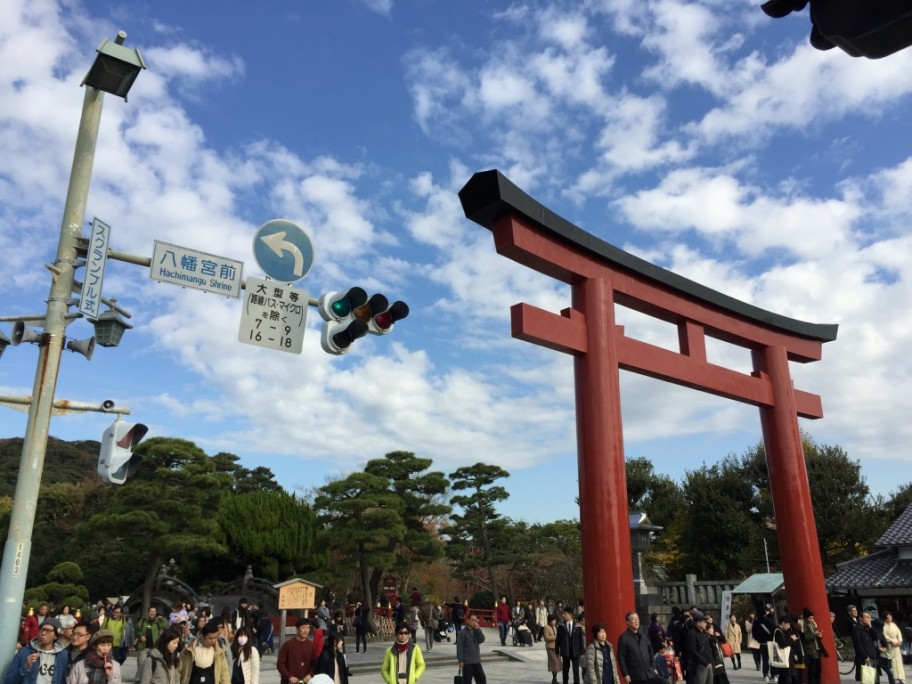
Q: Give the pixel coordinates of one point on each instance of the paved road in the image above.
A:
(512, 664)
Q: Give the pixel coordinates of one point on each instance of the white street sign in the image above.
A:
(273, 316)
(199, 270)
(96, 258)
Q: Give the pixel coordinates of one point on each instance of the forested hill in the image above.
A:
(69, 462)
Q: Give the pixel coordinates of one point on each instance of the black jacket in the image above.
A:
(570, 644)
(763, 629)
(635, 656)
(326, 666)
(699, 649)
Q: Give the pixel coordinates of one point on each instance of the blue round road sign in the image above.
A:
(283, 250)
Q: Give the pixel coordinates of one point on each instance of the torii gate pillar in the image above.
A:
(602, 276)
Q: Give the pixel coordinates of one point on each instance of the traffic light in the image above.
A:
(341, 327)
(351, 315)
(117, 462)
(866, 28)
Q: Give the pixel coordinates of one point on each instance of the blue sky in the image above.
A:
(702, 136)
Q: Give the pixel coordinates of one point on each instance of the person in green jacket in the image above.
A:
(148, 630)
(402, 662)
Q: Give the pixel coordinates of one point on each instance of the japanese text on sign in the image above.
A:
(273, 316)
(96, 258)
(201, 271)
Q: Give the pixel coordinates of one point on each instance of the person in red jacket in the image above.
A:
(502, 615)
(297, 661)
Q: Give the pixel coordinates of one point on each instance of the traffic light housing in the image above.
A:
(117, 462)
(350, 315)
(382, 322)
(865, 28)
(341, 327)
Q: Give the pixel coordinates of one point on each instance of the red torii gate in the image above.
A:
(600, 276)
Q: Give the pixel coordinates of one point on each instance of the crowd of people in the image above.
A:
(196, 647)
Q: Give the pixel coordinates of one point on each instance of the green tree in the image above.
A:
(271, 530)
(843, 508)
(244, 479)
(475, 536)
(420, 493)
(362, 518)
(555, 557)
(722, 533)
(656, 495)
(61, 588)
(169, 508)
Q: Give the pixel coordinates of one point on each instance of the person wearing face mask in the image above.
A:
(246, 669)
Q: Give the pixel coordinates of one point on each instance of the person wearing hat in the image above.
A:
(699, 651)
(204, 660)
(42, 661)
(297, 661)
(98, 667)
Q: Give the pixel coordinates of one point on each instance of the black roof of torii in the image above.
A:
(489, 195)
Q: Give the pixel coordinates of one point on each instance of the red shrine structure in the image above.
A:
(601, 276)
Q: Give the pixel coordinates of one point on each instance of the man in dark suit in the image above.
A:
(570, 644)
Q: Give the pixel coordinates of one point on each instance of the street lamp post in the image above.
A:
(114, 70)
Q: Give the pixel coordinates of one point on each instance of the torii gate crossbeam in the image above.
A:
(601, 276)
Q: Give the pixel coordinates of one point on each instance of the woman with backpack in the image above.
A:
(161, 664)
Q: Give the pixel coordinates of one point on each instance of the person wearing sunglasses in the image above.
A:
(42, 661)
(402, 662)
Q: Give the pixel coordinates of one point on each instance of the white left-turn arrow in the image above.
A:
(278, 244)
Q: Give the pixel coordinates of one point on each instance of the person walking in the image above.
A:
(601, 665)
(78, 647)
(699, 651)
(733, 639)
(246, 667)
(361, 623)
(752, 644)
(810, 637)
(893, 636)
(148, 630)
(402, 662)
(468, 652)
(429, 622)
(457, 614)
(762, 631)
(502, 616)
(98, 667)
(635, 656)
(43, 660)
(204, 660)
(571, 645)
(332, 660)
(297, 661)
(656, 631)
(550, 637)
(120, 626)
(162, 662)
(541, 619)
